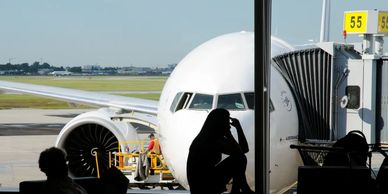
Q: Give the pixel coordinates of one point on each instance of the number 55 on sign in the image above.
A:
(355, 22)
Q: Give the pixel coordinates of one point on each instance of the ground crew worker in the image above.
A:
(153, 146)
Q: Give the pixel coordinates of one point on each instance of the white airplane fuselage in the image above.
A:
(219, 73)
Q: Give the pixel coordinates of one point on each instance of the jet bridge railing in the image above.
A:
(316, 155)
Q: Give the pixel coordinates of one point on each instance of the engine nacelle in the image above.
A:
(93, 133)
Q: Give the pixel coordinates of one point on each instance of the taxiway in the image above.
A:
(24, 133)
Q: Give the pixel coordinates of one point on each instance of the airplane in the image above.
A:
(60, 73)
(216, 74)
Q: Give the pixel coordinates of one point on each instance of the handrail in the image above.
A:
(95, 153)
(140, 143)
(110, 160)
(154, 160)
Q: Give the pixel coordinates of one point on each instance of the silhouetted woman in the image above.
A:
(206, 173)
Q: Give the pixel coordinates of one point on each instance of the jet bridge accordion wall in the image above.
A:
(309, 75)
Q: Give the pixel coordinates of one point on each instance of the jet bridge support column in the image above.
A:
(368, 110)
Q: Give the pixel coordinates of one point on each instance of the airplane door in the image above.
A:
(353, 92)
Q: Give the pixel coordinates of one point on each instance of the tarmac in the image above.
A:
(24, 133)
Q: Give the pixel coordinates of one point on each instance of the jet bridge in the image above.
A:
(339, 87)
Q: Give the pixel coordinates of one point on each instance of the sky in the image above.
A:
(148, 32)
(298, 22)
(114, 32)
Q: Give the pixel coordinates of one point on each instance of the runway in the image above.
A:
(14, 122)
(13, 129)
(19, 158)
(38, 116)
(35, 121)
(24, 133)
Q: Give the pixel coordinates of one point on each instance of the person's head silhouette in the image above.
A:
(217, 123)
(53, 163)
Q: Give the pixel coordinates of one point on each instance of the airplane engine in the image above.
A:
(89, 134)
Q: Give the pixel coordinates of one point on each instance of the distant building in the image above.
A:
(171, 66)
(131, 70)
(166, 72)
(169, 69)
(91, 69)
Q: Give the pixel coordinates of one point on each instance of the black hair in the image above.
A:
(52, 162)
(215, 123)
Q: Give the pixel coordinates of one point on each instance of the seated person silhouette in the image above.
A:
(206, 173)
(113, 181)
(52, 162)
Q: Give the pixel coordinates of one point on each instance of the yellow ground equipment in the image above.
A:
(128, 159)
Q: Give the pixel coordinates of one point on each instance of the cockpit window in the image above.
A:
(184, 101)
(271, 107)
(250, 98)
(175, 101)
(201, 101)
(230, 102)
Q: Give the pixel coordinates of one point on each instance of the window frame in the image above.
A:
(175, 101)
(246, 102)
(187, 100)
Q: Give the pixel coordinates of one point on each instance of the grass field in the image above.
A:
(115, 84)
(95, 83)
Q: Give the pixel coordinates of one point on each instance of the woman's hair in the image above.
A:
(215, 123)
(52, 162)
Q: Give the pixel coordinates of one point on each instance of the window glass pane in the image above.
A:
(230, 102)
(175, 101)
(353, 93)
(249, 97)
(184, 100)
(201, 101)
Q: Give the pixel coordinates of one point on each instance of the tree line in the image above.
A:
(27, 68)
(37, 68)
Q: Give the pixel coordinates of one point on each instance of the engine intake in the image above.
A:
(83, 143)
(93, 133)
